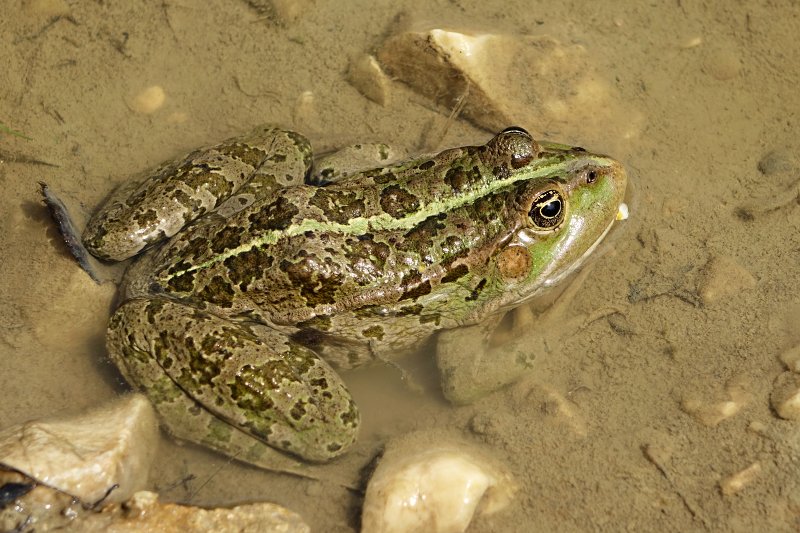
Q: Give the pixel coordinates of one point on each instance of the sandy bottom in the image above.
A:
(636, 420)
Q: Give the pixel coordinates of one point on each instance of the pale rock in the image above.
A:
(305, 114)
(691, 42)
(791, 358)
(148, 100)
(437, 488)
(501, 80)
(144, 513)
(367, 76)
(553, 404)
(41, 508)
(723, 277)
(711, 413)
(291, 10)
(736, 482)
(86, 455)
(785, 396)
(776, 162)
(38, 507)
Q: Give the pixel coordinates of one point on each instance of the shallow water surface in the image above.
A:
(695, 299)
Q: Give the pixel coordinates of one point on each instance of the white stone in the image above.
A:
(148, 100)
(367, 76)
(144, 512)
(306, 113)
(437, 490)
(498, 81)
(785, 396)
(46, 509)
(791, 358)
(722, 278)
(736, 482)
(713, 412)
(87, 454)
(623, 212)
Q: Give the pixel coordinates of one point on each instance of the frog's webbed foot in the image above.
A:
(245, 390)
(64, 218)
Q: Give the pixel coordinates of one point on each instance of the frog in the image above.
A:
(261, 274)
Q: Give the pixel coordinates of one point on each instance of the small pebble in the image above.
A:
(736, 482)
(692, 42)
(759, 428)
(553, 404)
(785, 396)
(291, 10)
(724, 277)
(713, 413)
(149, 100)
(306, 114)
(623, 212)
(367, 76)
(776, 161)
(791, 358)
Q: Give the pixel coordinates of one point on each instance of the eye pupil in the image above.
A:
(551, 209)
(547, 210)
(591, 176)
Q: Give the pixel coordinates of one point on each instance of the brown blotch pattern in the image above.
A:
(398, 202)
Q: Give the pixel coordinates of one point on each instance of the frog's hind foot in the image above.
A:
(70, 234)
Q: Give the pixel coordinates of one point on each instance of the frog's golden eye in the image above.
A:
(547, 210)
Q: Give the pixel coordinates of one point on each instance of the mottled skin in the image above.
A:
(229, 326)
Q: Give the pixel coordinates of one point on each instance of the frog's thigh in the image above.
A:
(288, 160)
(470, 368)
(262, 385)
(178, 192)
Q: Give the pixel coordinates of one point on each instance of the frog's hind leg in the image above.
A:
(246, 391)
(227, 177)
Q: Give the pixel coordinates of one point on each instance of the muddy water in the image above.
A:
(620, 425)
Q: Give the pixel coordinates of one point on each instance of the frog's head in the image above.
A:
(565, 201)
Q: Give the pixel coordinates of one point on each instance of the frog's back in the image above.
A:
(322, 251)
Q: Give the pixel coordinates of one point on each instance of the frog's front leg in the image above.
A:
(472, 364)
(234, 387)
(227, 177)
(470, 367)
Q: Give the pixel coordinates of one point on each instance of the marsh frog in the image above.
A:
(259, 273)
